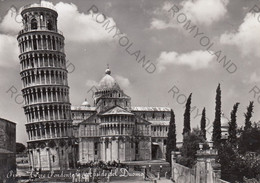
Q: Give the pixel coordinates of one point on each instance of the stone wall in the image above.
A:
(206, 170)
(182, 174)
(7, 147)
(7, 164)
(7, 135)
(144, 152)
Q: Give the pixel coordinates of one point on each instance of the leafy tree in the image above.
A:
(232, 129)
(203, 123)
(249, 140)
(237, 167)
(216, 136)
(248, 115)
(171, 138)
(190, 147)
(186, 127)
(251, 180)
(20, 148)
(226, 155)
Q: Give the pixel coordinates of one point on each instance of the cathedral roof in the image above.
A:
(150, 109)
(141, 120)
(117, 110)
(160, 123)
(108, 82)
(82, 108)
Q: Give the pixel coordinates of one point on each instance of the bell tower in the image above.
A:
(45, 89)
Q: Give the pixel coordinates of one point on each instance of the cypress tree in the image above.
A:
(171, 138)
(232, 129)
(203, 123)
(216, 136)
(186, 127)
(248, 115)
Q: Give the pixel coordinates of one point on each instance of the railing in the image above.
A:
(40, 28)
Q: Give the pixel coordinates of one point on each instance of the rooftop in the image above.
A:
(135, 109)
(2, 119)
(150, 109)
(117, 110)
(82, 108)
(160, 123)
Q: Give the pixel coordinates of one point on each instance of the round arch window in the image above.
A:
(49, 25)
(34, 24)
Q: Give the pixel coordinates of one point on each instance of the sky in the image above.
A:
(154, 52)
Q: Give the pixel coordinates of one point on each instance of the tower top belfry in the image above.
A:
(41, 16)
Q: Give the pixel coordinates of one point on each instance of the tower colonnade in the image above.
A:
(41, 41)
(38, 59)
(44, 77)
(45, 95)
(47, 130)
(41, 112)
(45, 88)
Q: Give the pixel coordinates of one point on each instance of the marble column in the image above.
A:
(39, 158)
(48, 158)
(55, 129)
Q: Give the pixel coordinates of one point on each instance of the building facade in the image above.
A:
(113, 130)
(59, 135)
(7, 148)
(45, 89)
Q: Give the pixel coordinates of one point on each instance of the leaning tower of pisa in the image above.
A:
(45, 89)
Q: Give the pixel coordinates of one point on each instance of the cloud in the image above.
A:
(8, 51)
(11, 23)
(91, 83)
(205, 11)
(254, 78)
(202, 12)
(76, 26)
(195, 60)
(122, 81)
(247, 37)
(9, 28)
(81, 27)
(161, 24)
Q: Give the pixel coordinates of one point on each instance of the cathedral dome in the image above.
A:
(224, 126)
(108, 82)
(224, 121)
(85, 103)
